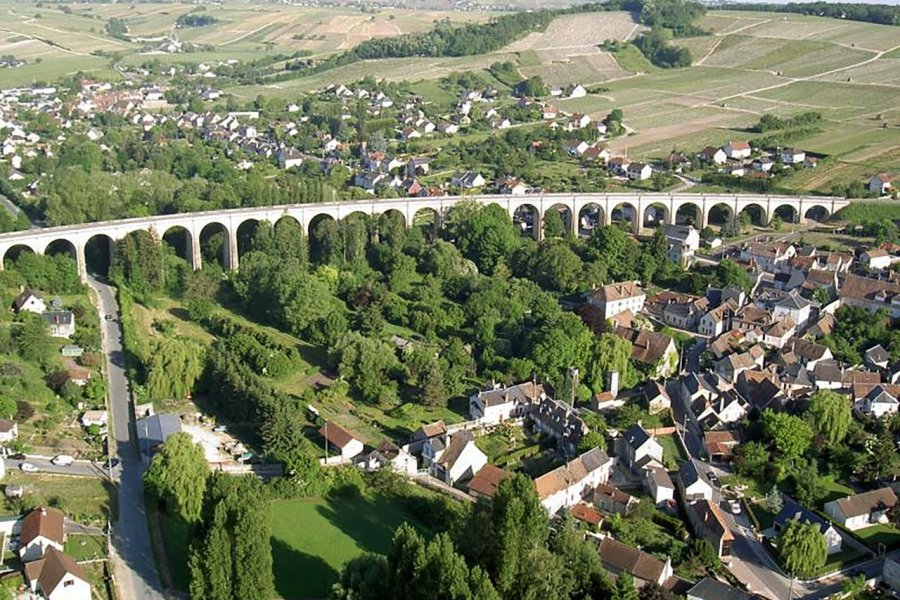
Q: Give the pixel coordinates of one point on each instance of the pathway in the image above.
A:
(132, 554)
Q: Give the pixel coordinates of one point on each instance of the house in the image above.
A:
(588, 515)
(638, 171)
(486, 481)
(289, 158)
(612, 500)
(41, 529)
(460, 461)
(615, 298)
(862, 510)
(728, 408)
(467, 180)
(876, 259)
(713, 155)
(389, 455)
(94, 417)
(511, 186)
(684, 241)
(57, 576)
(871, 294)
(154, 430)
(730, 367)
(571, 483)
(656, 397)
(576, 147)
(496, 405)
(709, 523)
(346, 443)
(560, 421)
(617, 558)
(793, 307)
(720, 445)
(793, 511)
(659, 485)
(880, 184)
(576, 91)
(684, 312)
(29, 301)
(693, 484)
(809, 353)
(640, 448)
(879, 402)
(792, 156)
(713, 589)
(716, 321)
(737, 150)
(828, 375)
(424, 434)
(61, 323)
(654, 349)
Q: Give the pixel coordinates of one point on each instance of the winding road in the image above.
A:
(135, 571)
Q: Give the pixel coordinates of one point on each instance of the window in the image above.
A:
(68, 583)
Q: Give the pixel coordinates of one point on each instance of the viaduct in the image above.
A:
(601, 209)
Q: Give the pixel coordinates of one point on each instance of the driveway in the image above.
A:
(135, 571)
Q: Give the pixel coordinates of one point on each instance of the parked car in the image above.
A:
(18, 456)
(28, 467)
(735, 507)
(62, 460)
(110, 464)
(713, 478)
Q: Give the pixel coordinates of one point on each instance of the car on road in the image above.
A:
(28, 467)
(713, 478)
(735, 507)
(62, 460)
(110, 464)
(17, 456)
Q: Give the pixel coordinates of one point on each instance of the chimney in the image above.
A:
(613, 382)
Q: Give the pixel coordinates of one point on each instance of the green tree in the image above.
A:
(173, 368)
(625, 589)
(729, 273)
(751, 459)
(809, 489)
(802, 547)
(831, 415)
(554, 224)
(582, 574)
(791, 435)
(611, 353)
(367, 364)
(177, 476)
(137, 262)
(487, 236)
(33, 342)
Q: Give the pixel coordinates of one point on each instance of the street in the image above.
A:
(135, 571)
(84, 468)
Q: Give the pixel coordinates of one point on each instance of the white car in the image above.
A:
(63, 460)
(735, 507)
(28, 467)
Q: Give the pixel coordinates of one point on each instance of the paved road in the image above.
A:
(84, 468)
(135, 571)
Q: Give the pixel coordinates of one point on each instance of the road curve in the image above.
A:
(135, 570)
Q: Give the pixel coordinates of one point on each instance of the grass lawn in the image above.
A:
(765, 517)
(86, 547)
(313, 538)
(672, 452)
(176, 542)
(879, 534)
(88, 500)
(835, 490)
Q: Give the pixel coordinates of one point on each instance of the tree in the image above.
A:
(751, 459)
(582, 573)
(731, 274)
(625, 589)
(831, 415)
(138, 262)
(33, 342)
(177, 476)
(851, 587)
(809, 489)
(173, 368)
(487, 236)
(434, 389)
(554, 225)
(791, 435)
(612, 354)
(802, 547)
(232, 555)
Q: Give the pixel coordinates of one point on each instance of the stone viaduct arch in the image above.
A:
(575, 205)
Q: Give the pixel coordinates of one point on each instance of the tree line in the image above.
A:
(883, 14)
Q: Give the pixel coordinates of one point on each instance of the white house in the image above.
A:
(94, 417)
(656, 397)
(289, 158)
(659, 485)
(639, 448)
(9, 430)
(29, 301)
(57, 576)
(792, 156)
(862, 510)
(683, 241)
(693, 484)
(877, 259)
(616, 298)
(737, 150)
(878, 403)
(571, 483)
(714, 155)
(637, 171)
(61, 323)
(500, 404)
(467, 180)
(390, 456)
(346, 443)
(460, 461)
(793, 307)
(41, 529)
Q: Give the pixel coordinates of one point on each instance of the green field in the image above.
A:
(672, 452)
(313, 539)
(876, 535)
